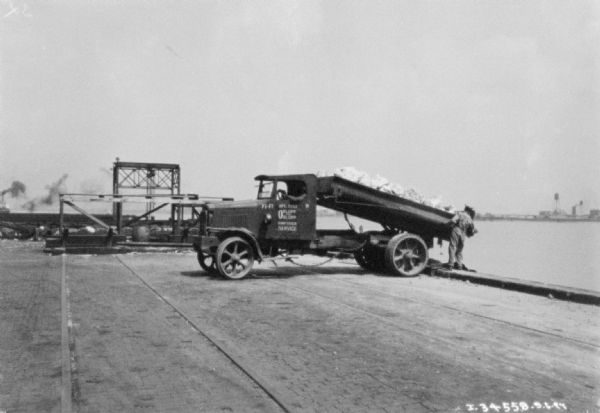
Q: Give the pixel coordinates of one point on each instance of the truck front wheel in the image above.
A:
(234, 258)
(207, 262)
(406, 255)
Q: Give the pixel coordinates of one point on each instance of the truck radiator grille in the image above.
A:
(230, 221)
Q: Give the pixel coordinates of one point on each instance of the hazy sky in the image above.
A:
(491, 103)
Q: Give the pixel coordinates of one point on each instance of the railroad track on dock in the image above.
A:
(69, 387)
(244, 369)
(252, 373)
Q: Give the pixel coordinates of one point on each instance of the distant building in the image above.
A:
(552, 214)
(577, 209)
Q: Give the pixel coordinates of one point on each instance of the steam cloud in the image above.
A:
(53, 191)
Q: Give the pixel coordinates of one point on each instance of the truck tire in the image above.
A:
(207, 262)
(234, 258)
(406, 255)
(370, 258)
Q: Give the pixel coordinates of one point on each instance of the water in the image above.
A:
(561, 253)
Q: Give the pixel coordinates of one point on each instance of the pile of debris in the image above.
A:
(384, 185)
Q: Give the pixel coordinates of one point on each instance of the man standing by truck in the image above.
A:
(462, 227)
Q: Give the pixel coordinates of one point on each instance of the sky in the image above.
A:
(490, 103)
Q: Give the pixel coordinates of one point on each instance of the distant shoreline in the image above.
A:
(536, 218)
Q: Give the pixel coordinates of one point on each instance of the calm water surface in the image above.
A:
(562, 253)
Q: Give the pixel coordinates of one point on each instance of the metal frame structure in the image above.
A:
(150, 177)
(177, 202)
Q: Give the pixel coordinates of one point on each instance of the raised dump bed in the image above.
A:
(389, 210)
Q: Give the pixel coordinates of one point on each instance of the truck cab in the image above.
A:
(282, 221)
(283, 216)
(287, 205)
(284, 209)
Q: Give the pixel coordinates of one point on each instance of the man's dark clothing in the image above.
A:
(463, 226)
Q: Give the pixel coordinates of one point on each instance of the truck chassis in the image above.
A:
(282, 221)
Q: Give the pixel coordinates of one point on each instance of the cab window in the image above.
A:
(265, 189)
(282, 190)
(296, 189)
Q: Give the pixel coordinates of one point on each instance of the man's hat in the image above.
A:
(469, 210)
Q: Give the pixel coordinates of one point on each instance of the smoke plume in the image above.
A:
(17, 188)
(54, 190)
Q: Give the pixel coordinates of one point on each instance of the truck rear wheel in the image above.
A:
(234, 258)
(406, 255)
(370, 258)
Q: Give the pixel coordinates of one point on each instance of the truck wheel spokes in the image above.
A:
(235, 258)
(401, 255)
(408, 257)
(406, 254)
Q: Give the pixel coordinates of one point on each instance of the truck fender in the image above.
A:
(245, 234)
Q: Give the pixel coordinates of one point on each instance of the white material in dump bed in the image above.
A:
(384, 185)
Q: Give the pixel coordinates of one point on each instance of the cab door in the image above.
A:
(293, 215)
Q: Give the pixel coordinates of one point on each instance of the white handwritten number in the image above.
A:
(494, 407)
(514, 407)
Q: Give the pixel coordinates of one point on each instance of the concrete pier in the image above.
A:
(559, 292)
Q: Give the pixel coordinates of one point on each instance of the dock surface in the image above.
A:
(152, 332)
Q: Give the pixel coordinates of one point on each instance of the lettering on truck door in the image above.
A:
(294, 213)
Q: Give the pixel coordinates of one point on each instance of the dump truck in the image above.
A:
(282, 221)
